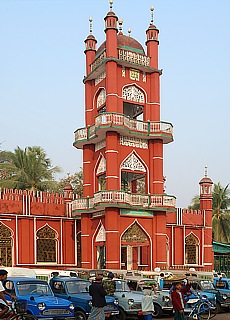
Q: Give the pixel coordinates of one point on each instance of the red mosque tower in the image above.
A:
(123, 212)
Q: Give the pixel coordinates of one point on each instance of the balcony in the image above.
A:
(125, 126)
(123, 199)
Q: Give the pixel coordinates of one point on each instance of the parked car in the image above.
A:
(223, 296)
(162, 304)
(41, 301)
(76, 290)
(201, 287)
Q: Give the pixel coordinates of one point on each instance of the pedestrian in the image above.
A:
(178, 300)
(98, 294)
(3, 303)
(147, 305)
(109, 284)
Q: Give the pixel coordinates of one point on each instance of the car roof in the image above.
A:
(26, 279)
(221, 278)
(68, 278)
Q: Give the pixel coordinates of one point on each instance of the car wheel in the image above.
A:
(157, 311)
(121, 315)
(80, 315)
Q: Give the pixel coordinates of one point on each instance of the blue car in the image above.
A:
(76, 290)
(41, 301)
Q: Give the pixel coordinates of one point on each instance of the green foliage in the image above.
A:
(28, 169)
(195, 204)
(76, 180)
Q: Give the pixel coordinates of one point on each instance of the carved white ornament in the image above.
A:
(102, 166)
(100, 77)
(101, 98)
(133, 163)
(132, 93)
(100, 145)
(144, 77)
(123, 72)
(101, 236)
(134, 142)
(133, 57)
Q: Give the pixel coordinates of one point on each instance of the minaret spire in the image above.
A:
(152, 16)
(90, 25)
(111, 5)
(206, 171)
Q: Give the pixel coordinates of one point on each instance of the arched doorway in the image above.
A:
(135, 249)
(191, 250)
(47, 245)
(6, 244)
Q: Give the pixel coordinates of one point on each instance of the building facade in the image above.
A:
(125, 220)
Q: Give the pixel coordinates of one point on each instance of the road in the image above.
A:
(220, 316)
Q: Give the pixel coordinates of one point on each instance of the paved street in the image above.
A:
(221, 316)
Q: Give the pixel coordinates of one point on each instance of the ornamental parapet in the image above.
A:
(125, 126)
(124, 199)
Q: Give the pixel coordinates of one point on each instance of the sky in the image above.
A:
(42, 64)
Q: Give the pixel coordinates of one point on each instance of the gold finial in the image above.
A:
(90, 25)
(206, 171)
(152, 9)
(111, 5)
(129, 31)
(120, 22)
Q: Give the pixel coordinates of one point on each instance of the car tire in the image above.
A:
(121, 315)
(157, 311)
(80, 315)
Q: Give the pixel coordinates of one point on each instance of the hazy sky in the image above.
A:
(42, 65)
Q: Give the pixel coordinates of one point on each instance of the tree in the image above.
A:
(220, 215)
(76, 180)
(28, 169)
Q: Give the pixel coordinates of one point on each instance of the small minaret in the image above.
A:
(90, 47)
(152, 42)
(111, 32)
(206, 192)
(206, 208)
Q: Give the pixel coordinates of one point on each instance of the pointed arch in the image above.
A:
(100, 173)
(101, 168)
(135, 166)
(101, 97)
(46, 243)
(100, 238)
(6, 244)
(131, 228)
(134, 93)
(192, 246)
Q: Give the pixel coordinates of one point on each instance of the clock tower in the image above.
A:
(124, 206)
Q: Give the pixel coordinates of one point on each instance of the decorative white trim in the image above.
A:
(115, 151)
(157, 181)
(100, 145)
(85, 235)
(161, 158)
(101, 99)
(86, 162)
(112, 261)
(110, 231)
(101, 166)
(161, 261)
(133, 163)
(100, 78)
(85, 262)
(101, 235)
(115, 177)
(161, 234)
(86, 184)
(134, 142)
(207, 245)
(207, 264)
(132, 93)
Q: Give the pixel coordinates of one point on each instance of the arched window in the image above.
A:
(191, 249)
(46, 245)
(5, 245)
(101, 100)
(100, 173)
(133, 175)
(135, 99)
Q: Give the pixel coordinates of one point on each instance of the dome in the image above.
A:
(125, 42)
(206, 180)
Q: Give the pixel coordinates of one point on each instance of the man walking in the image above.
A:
(98, 294)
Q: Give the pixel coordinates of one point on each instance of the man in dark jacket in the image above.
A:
(98, 294)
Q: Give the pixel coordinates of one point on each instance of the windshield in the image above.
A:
(33, 289)
(77, 286)
(122, 286)
(207, 285)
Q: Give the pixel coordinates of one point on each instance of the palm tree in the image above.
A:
(28, 169)
(220, 215)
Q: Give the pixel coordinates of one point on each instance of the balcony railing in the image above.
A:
(121, 197)
(147, 128)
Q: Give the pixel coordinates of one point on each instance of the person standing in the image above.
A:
(98, 294)
(109, 284)
(178, 300)
(3, 303)
(147, 305)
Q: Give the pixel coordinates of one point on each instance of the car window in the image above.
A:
(220, 284)
(9, 286)
(58, 287)
(33, 288)
(77, 286)
(207, 285)
(121, 286)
